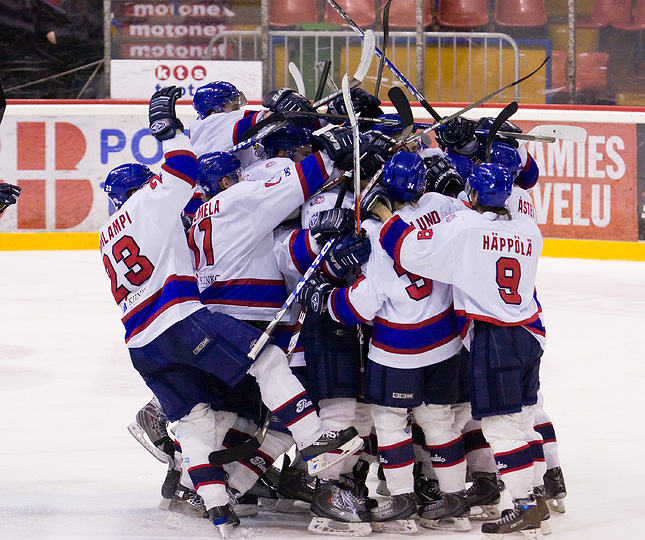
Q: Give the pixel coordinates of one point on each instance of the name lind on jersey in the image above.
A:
(115, 227)
(209, 208)
(507, 244)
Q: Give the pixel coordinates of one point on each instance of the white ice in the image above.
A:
(67, 392)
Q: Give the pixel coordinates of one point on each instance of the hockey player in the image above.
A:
(221, 122)
(9, 194)
(175, 343)
(497, 308)
(414, 358)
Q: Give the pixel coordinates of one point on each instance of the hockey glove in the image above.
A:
(459, 136)
(351, 252)
(442, 177)
(377, 194)
(287, 99)
(486, 123)
(315, 293)
(8, 195)
(329, 223)
(338, 143)
(376, 149)
(161, 113)
(363, 102)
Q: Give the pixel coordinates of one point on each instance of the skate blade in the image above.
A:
(545, 527)
(246, 510)
(446, 524)
(397, 526)
(556, 505)
(318, 464)
(485, 512)
(530, 534)
(164, 504)
(330, 527)
(226, 530)
(291, 506)
(142, 438)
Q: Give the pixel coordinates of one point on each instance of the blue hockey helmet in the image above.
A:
(213, 167)
(404, 176)
(213, 96)
(287, 138)
(390, 130)
(492, 182)
(463, 164)
(504, 154)
(125, 178)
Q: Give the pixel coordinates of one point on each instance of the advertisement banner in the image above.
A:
(139, 79)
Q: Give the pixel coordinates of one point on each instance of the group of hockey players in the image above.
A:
(413, 349)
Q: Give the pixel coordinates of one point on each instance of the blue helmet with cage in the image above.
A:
(213, 167)
(213, 96)
(503, 154)
(404, 176)
(287, 138)
(492, 182)
(125, 178)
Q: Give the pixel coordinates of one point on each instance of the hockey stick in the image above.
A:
(244, 450)
(447, 119)
(367, 55)
(567, 133)
(417, 95)
(386, 37)
(324, 68)
(402, 106)
(3, 102)
(504, 115)
(297, 77)
(347, 98)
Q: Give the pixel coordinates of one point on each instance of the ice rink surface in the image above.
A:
(69, 469)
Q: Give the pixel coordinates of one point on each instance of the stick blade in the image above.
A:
(402, 106)
(504, 115)
(367, 55)
(297, 77)
(569, 133)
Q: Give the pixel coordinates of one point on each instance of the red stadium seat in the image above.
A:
(520, 13)
(361, 11)
(292, 12)
(403, 13)
(604, 13)
(462, 13)
(631, 21)
(591, 71)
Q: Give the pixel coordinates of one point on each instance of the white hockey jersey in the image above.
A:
(413, 317)
(221, 131)
(491, 263)
(232, 238)
(145, 253)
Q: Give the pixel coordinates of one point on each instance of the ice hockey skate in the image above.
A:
(523, 518)
(245, 505)
(295, 489)
(187, 502)
(150, 429)
(543, 509)
(426, 490)
(484, 496)
(346, 440)
(555, 490)
(448, 514)
(396, 515)
(338, 512)
(224, 518)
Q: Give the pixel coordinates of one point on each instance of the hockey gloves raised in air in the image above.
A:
(458, 135)
(333, 222)
(338, 143)
(442, 177)
(377, 194)
(161, 113)
(376, 149)
(8, 195)
(287, 99)
(351, 252)
(363, 102)
(315, 293)
(486, 123)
